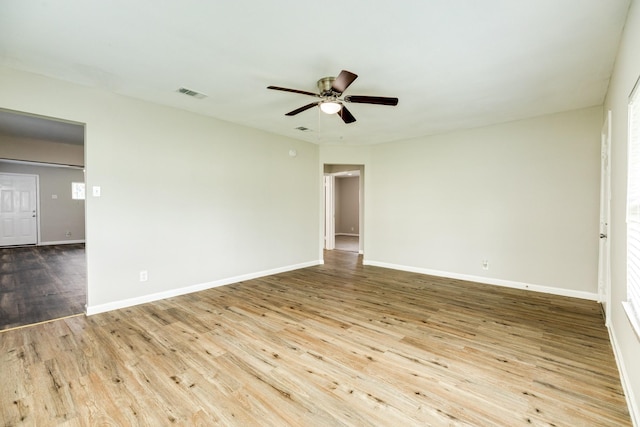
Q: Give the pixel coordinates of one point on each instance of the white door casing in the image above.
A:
(329, 212)
(18, 209)
(604, 263)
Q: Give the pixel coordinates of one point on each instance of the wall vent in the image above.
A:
(192, 93)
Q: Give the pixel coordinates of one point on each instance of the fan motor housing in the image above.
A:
(324, 86)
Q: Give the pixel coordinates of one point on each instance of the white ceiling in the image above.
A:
(453, 64)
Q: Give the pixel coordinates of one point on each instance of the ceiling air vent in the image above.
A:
(192, 93)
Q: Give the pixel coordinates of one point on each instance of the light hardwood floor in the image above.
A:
(337, 344)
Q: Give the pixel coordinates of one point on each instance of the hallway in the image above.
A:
(347, 243)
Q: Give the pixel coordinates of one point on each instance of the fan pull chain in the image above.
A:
(319, 113)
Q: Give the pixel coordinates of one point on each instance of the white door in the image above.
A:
(18, 222)
(604, 274)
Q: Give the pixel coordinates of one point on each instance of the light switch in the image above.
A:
(96, 191)
(54, 196)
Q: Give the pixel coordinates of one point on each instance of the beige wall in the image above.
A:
(61, 214)
(36, 150)
(523, 195)
(626, 73)
(193, 200)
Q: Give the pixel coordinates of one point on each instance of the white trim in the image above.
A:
(489, 281)
(38, 230)
(101, 308)
(61, 242)
(633, 317)
(347, 234)
(634, 411)
(329, 212)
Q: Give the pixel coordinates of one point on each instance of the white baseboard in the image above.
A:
(101, 308)
(634, 411)
(61, 242)
(487, 280)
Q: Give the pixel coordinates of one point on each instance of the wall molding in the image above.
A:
(61, 242)
(129, 302)
(488, 280)
(634, 411)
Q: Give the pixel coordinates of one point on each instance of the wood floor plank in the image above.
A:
(339, 344)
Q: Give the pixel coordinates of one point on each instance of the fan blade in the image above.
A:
(380, 100)
(301, 109)
(342, 82)
(303, 92)
(346, 116)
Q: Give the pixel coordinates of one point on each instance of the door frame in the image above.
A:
(37, 179)
(604, 246)
(83, 166)
(329, 212)
(344, 169)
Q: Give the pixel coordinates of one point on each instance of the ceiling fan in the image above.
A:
(330, 90)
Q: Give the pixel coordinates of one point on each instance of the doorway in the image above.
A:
(42, 242)
(343, 213)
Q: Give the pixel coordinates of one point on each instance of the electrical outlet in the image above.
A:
(144, 276)
(485, 264)
(67, 234)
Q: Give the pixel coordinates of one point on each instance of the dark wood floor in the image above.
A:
(339, 344)
(39, 283)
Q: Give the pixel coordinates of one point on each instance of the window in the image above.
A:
(77, 190)
(632, 306)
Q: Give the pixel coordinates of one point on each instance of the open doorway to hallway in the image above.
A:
(43, 263)
(343, 210)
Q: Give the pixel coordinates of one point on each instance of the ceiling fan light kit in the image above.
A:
(330, 107)
(330, 89)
